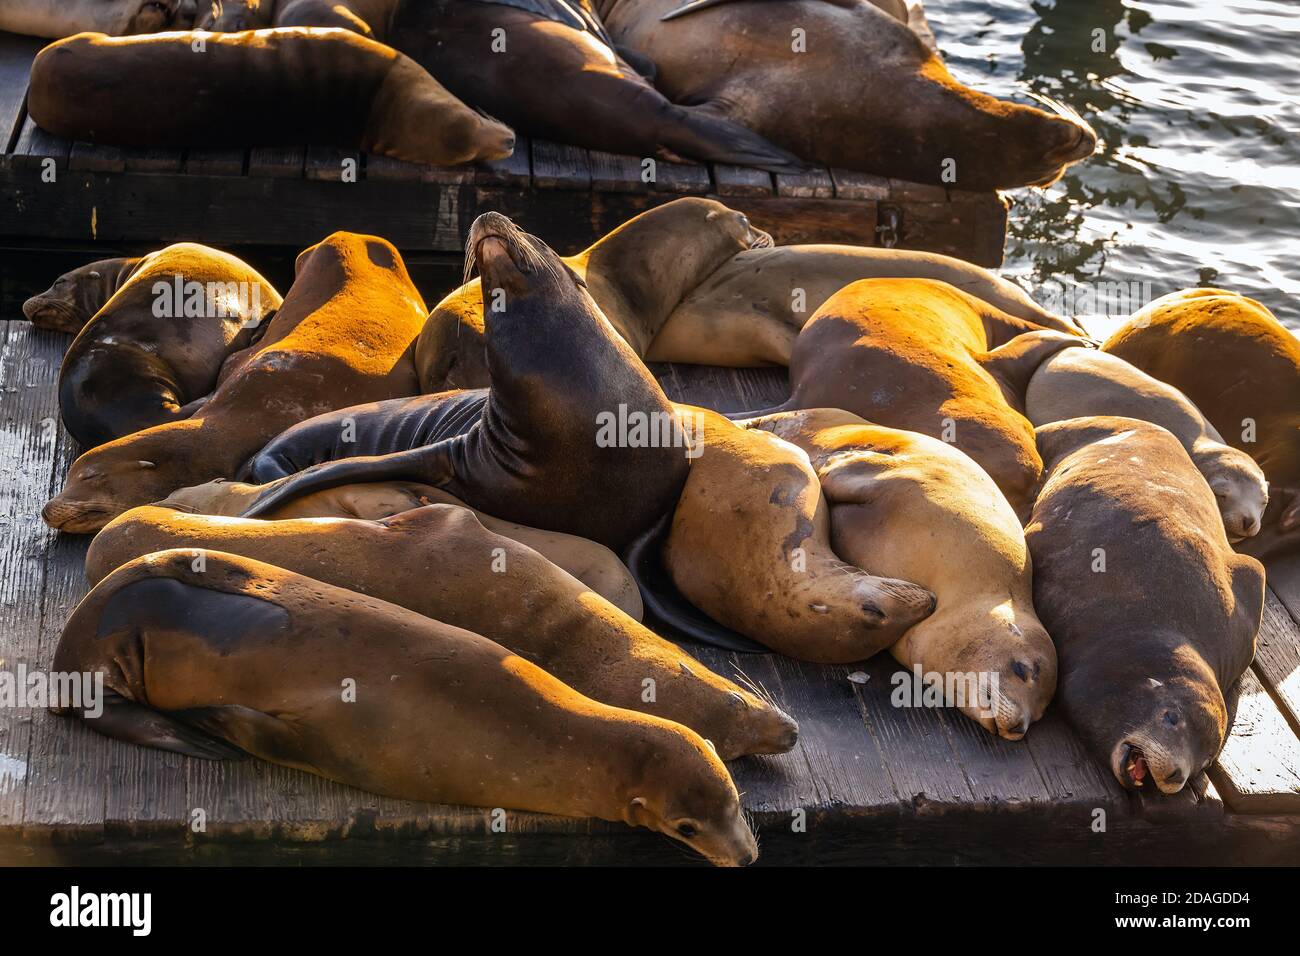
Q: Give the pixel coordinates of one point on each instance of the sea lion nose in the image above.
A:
(1175, 777)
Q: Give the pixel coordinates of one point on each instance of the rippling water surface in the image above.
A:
(1197, 178)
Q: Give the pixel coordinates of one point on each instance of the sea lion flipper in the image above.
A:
(691, 6)
(124, 719)
(638, 61)
(703, 133)
(1015, 362)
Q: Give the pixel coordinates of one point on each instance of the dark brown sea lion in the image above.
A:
(242, 655)
(1153, 614)
(153, 353)
(1241, 367)
(343, 335)
(922, 355)
(62, 18)
(75, 296)
(287, 85)
(573, 415)
(440, 561)
(843, 83)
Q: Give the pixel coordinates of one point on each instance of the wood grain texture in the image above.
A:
(1259, 768)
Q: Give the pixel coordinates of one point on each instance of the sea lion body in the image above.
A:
(1241, 367)
(75, 296)
(1154, 616)
(638, 274)
(440, 561)
(591, 563)
(896, 111)
(1079, 383)
(749, 311)
(921, 355)
(912, 507)
(55, 19)
(159, 343)
(551, 435)
(287, 85)
(342, 336)
(749, 546)
(257, 657)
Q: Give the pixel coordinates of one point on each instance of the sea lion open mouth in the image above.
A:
(1133, 765)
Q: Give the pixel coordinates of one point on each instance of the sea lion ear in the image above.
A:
(712, 214)
(710, 746)
(578, 280)
(1289, 520)
(146, 464)
(1154, 683)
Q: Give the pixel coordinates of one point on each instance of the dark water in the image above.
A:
(1197, 178)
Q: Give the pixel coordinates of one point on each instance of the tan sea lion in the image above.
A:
(342, 336)
(1241, 367)
(847, 85)
(153, 353)
(75, 296)
(440, 561)
(314, 86)
(575, 434)
(591, 563)
(910, 506)
(1079, 383)
(749, 545)
(1153, 614)
(921, 355)
(235, 16)
(749, 311)
(305, 674)
(55, 19)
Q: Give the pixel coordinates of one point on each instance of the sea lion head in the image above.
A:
(1239, 487)
(515, 267)
(155, 16)
(105, 481)
(76, 296)
(217, 497)
(1011, 652)
(685, 792)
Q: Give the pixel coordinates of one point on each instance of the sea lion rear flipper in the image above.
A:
(666, 610)
(124, 719)
(429, 465)
(702, 133)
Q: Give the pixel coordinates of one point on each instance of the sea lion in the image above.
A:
(1078, 383)
(342, 335)
(440, 561)
(638, 274)
(890, 489)
(152, 354)
(591, 563)
(1149, 647)
(55, 19)
(1241, 367)
(922, 355)
(749, 546)
(782, 69)
(249, 656)
(75, 296)
(572, 412)
(235, 16)
(327, 87)
(749, 311)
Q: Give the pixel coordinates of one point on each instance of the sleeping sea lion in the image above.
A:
(1153, 614)
(75, 296)
(243, 656)
(56, 19)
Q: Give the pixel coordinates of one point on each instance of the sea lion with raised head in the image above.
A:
(921, 355)
(75, 296)
(314, 86)
(572, 412)
(1080, 383)
(243, 656)
(153, 353)
(591, 563)
(890, 490)
(1241, 367)
(440, 561)
(1153, 614)
(55, 19)
(638, 274)
(847, 85)
(342, 336)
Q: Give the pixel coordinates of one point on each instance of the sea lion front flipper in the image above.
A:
(248, 731)
(124, 719)
(701, 132)
(429, 465)
(1014, 363)
(667, 611)
(639, 62)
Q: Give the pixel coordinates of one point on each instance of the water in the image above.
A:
(1197, 177)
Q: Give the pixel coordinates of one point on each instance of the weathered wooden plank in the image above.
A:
(215, 162)
(153, 160)
(328, 164)
(451, 175)
(1277, 655)
(557, 166)
(16, 55)
(1198, 801)
(93, 158)
(515, 170)
(35, 145)
(742, 181)
(1258, 770)
(854, 185)
(1284, 582)
(815, 184)
(920, 192)
(1071, 774)
(384, 168)
(681, 178)
(277, 162)
(614, 172)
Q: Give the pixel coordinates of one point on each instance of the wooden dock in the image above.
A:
(868, 782)
(294, 197)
